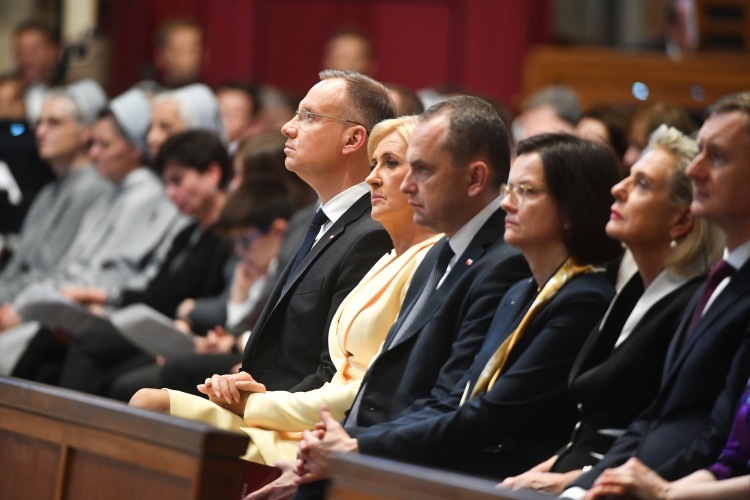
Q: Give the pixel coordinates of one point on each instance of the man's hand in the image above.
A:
(318, 447)
(85, 295)
(631, 480)
(281, 489)
(550, 482)
(185, 308)
(8, 317)
(243, 278)
(223, 391)
(215, 341)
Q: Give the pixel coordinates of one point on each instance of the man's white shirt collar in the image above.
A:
(339, 204)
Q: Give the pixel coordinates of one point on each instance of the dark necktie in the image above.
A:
(438, 270)
(721, 270)
(318, 221)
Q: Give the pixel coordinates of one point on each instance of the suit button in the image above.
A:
(369, 408)
(580, 407)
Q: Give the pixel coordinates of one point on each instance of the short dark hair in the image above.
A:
(105, 113)
(252, 91)
(368, 101)
(475, 131)
(36, 25)
(260, 200)
(615, 120)
(733, 102)
(411, 103)
(580, 175)
(196, 149)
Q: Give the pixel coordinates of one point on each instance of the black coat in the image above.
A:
(442, 341)
(612, 386)
(288, 349)
(528, 413)
(687, 425)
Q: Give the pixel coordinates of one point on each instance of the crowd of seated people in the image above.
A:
(556, 302)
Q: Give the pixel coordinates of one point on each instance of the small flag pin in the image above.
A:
(469, 262)
(330, 237)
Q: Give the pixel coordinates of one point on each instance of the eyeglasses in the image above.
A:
(247, 241)
(304, 118)
(519, 192)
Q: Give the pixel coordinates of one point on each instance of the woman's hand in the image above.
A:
(85, 295)
(185, 308)
(223, 391)
(8, 317)
(631, 480)
(215, 341)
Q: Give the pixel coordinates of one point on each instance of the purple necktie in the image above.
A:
(721, 270)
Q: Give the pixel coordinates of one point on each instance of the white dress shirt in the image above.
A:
(339, 204)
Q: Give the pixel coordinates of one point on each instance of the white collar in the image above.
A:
(460, 241)
(339, 204)
(737, 257)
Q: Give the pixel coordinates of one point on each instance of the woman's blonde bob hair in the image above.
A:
(696, 252)
(404, 125)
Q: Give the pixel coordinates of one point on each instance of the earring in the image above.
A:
(673, 244)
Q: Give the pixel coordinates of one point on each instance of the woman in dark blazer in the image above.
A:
(618, 371)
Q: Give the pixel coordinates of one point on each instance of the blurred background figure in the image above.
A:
(239, 105)
(607, 125)
(37, 53)
(551, 110)
(647, 119)
(12, 105)
(406, 100)
(350, 49)
(180, 54)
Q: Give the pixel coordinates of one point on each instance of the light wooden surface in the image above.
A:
(359, 477)
(59, 444)
(606, 76)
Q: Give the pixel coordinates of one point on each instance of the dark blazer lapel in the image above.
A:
(738, 286)
(485, 237)
(354, 213)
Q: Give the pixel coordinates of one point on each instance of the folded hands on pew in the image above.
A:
(231, 391)
(318, 447)
(540, 478)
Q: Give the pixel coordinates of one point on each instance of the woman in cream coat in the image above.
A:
(275, 420)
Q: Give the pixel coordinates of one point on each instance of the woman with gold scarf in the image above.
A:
(512, 408)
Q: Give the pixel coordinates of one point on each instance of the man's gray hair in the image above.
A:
(561, 97)
(367, 100)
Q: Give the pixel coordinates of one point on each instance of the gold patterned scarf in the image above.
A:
(494, 366)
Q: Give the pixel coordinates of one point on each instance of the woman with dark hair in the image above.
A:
(608, 125)
(512, 406)
(618, 372)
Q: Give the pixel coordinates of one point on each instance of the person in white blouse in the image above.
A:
(618, 371)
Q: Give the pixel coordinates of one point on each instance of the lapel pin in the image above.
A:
(330, 237)
(469, 262)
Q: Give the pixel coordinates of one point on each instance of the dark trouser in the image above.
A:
(312, 491)
(43, 358)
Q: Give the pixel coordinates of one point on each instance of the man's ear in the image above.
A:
(356, 139)
(479, 177)
(278, 226)
(215, 173)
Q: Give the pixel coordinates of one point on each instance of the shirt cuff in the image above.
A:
(574, 493)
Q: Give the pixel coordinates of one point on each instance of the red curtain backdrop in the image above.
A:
(479, 45)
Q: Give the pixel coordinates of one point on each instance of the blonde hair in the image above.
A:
(404, 125)
(697, 251)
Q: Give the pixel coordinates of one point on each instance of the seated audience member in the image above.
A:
(263, 154)
(326, 146)
(608, 125)
(550, 110)
(727, 479)
(63, 137)
(512, 404)
(239, 105)
(708, 361)
(37, 53)
(179, 55)
(350, 49)
(357, 330)
(406, 100)
(256, 218)
(180, 110)
(195, 169)
(647, 119)
(618, 371)
(12, 106)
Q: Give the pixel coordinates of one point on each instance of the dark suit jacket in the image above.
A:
(612, 386)
(687, 425)
(288, 349)
(528, 413)
(442, 341)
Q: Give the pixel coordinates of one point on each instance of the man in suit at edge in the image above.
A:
(327, 147)
(708, 362)
(459, 156)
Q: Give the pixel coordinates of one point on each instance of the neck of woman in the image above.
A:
(650, 261)
(406, 235)
(544, 260)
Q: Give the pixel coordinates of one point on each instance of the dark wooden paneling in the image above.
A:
(20, 456)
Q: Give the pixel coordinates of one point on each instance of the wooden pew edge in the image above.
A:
(185, 435)
(353, 470)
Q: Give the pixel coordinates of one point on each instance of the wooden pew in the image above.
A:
(606, 76)
(359, 477)
(59, 444)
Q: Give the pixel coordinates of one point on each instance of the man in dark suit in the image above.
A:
(458, 156)
(708, 362)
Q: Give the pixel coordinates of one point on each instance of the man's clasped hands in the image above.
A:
(316, 450)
